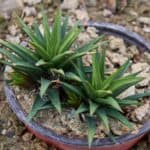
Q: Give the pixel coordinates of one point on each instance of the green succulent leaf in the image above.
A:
(22, 65)
(109, 101)
(97, 79)
(83, 50)
(9, 55)
(55, 99)
(57, 71)
(40, 62)
(80, 69)
(103, 93)
(73, 99)
(38, 104)
(72, 88)
(82, 108)
(21, 51)
(89, 89)
(138, 96)
(64, 27)
(72, 76)
(93, 107)
(29, 32)
(117, 115)
(47, 35)
(102, 64)
(20, 79)
(44, 86)
(120, 85)
(117, 74)
(38, 32)
(127, 102)
(41, 51)
(91, 129)
(101, 113)
(58, 59)
(69, 39)
(55, 39)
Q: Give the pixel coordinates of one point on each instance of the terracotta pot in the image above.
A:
(124, 142)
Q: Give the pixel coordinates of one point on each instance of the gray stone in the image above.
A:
(27, 137)
(8, 6)
(128, 92)
(91, 3)
(145, 20)
(82, 15)
(70, 4)
(32, 2)
(29, 11)
(107, 13)
(146, 29)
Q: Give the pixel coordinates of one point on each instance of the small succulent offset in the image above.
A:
(61, 79)
(100, 93)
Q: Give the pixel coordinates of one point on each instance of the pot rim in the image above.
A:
(109, 28)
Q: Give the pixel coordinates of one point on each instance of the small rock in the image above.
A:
(109, 66)
(41, 146)
(13, 39)
(112, 5)
(87, 60)
(107, 13)
(41, 28)
(32, 2)
(147, 57)
(10, 133)
(132, 51)
(39, 16)
(146, 80)
(8, 69)
(91, 3)
(24, 43)
(29, 11)
(118, 128)
(12, 30)
(8, 6)
(27, 136)
(9, 123)
(144, 67)
(117, 59)
(145, 20)
(4, 131)
(92, 32)
(142, 111)
(1, 56)
(136, 28)
(117, 44)
(72, 20)
(29, 20)
(133, 13)
(146, 29)
(83, 38)
(26, 97)
(128, 92)
(82, 15)
(70, 4)
(48, 1)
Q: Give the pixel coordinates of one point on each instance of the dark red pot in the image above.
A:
(124, 142)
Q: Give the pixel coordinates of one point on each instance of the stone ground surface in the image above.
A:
(136, 17)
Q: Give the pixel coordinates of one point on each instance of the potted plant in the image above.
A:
(61, 81)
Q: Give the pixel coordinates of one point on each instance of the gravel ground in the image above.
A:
(136, 17)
